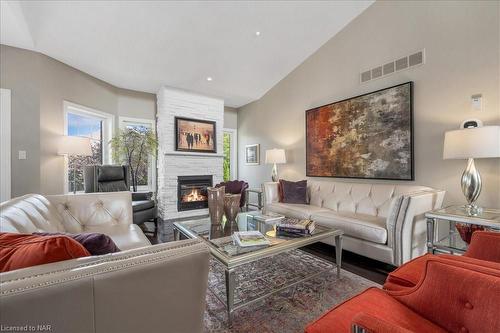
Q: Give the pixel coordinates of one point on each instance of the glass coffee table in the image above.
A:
(219, 240)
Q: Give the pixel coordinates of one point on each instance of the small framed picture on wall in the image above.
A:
(252, 154)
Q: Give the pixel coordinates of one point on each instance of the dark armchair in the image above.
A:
(236, 187)
(114, 178)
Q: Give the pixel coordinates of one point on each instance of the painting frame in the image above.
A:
(178, 146)
(255, 161)
(411, 150)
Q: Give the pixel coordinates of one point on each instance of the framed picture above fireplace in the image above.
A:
(368, 136)
(192, 135)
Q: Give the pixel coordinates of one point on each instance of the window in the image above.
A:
(146, 179)
(230, 158)
(95, 125)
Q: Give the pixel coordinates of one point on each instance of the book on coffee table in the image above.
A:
(295, 227)
(250, 238)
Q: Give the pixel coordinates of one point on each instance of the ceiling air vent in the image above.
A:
(394, 66)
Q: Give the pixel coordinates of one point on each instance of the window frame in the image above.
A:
(122, 122)
(233, 161)
(107, 132)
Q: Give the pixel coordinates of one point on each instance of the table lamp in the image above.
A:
(72, 146)
(275, 156)
(471, 143)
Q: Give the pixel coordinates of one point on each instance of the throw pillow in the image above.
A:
(24, 250)
(280, 191)
(294, 192)
(95, 243)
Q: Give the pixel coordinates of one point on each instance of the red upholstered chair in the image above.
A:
(484, 250)
(236, 187)
(452, 296)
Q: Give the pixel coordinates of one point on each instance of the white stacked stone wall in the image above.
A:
(171, 163)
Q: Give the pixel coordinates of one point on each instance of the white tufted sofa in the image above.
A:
(143, 288)
(380, 221)
(107, 213)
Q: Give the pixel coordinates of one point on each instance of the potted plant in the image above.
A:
(133, 146)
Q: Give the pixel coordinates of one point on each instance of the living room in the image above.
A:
(250, 166)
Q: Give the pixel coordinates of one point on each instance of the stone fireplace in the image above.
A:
(180, 172)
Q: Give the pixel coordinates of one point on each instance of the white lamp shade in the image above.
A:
(275, 156)
(479, 142)
(74, 145)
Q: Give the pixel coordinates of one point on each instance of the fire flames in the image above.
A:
(195, 195)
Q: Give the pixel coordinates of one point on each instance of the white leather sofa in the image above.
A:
(143, 288)
(380, 221)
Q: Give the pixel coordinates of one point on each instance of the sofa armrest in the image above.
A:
(141, 196)
(139, 290)
(270, 190)
(93, 209)
(365, 323)
(409, 227)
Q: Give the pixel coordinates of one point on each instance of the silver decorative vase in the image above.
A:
(471, 187)
(216, 204)
(232, 206)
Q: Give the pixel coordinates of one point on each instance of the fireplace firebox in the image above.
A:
(192, 192)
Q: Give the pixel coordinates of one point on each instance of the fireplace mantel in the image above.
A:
(183, 153)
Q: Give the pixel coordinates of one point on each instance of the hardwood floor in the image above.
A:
(370, 269)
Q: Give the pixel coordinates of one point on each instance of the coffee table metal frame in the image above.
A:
(231, 263)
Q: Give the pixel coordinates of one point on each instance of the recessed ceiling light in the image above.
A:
(257, 33)
(209, 78)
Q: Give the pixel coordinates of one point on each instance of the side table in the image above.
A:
(452, 243)
(257, 191)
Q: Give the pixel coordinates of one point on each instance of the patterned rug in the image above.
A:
(288, 310)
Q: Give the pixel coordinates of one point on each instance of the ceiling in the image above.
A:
(143, 45)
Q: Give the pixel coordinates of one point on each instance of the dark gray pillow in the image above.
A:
(294, 192)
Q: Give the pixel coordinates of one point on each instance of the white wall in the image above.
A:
(230, 117)
(39, 85)
(462, 46)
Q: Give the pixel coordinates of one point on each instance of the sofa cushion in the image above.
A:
(294, 210)
(96, 243)
(294, 192)
(142, 205)
(24, 250)
(125, 236)
(367, 227)
(29, 213)
(374, 302)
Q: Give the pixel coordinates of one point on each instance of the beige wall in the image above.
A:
(462, 47)
(230, 117)
(39, 85)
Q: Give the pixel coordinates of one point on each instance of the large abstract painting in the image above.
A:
(368, 136)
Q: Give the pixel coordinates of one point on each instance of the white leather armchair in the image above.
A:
(380, 221)
(143, 288)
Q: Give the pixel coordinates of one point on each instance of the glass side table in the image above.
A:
(453, 243)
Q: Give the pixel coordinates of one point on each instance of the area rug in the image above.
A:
(288, 310)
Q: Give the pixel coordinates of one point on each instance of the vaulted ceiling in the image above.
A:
(244, 47)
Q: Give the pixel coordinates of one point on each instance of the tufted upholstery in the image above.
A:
(108, 213)
(450, 297)
(88, 294)
(369, 199)
(381, 221)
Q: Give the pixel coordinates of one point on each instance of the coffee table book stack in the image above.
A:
(291, 227)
